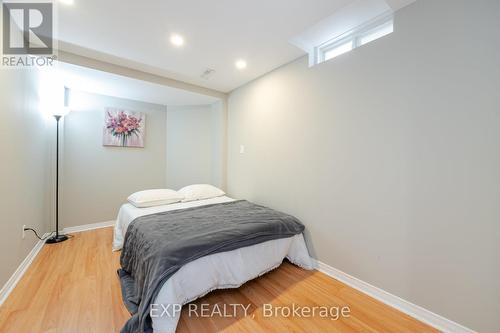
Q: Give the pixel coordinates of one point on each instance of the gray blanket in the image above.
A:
(158, 245)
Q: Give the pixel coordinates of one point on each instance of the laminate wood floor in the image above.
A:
(72, 287)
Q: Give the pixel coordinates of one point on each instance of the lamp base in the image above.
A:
(56, 239)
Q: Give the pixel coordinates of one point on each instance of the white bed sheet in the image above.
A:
(222, 270)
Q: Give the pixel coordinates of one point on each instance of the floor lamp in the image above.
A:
(57, 238)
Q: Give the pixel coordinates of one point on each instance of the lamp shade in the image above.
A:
(64, 110)
(54, 96)
(61, 112)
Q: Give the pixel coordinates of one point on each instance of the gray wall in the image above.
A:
(182, 147)
(390, 156)
(96, 180)
(194, 145)
(25, 178)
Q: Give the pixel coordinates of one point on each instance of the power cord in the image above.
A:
(44, 238)
(36, 234)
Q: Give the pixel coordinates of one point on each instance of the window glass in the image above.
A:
(338, 50)
(376, 33)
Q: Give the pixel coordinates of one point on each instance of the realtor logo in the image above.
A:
(27, 28)
(27, 34)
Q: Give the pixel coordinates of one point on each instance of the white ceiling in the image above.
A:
(217, 33)
(97, 82)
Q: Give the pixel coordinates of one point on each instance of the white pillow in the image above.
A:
(200, 192)
(150, 198)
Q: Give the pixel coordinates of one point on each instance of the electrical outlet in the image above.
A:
(24, 231)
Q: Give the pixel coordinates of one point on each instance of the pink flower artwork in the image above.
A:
(123, 128)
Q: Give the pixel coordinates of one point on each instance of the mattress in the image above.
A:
(220, 271)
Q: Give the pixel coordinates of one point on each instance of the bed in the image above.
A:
(221, 270)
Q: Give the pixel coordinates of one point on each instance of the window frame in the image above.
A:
(373, 29)
(355, 36)
(334, 46)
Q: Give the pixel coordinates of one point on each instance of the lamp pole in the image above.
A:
(57, 238)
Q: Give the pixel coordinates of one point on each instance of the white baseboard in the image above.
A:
(18, 274)
(415, 311)
(86, 227)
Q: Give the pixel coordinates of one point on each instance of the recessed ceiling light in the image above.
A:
(177, 40)
(67, 2)
(241, 64)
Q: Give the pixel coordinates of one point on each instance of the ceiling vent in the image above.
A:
(207, 74)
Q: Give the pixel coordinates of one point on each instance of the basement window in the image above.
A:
(355, 38)
(337, 50)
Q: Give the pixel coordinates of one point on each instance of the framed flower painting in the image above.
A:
(124, 128)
